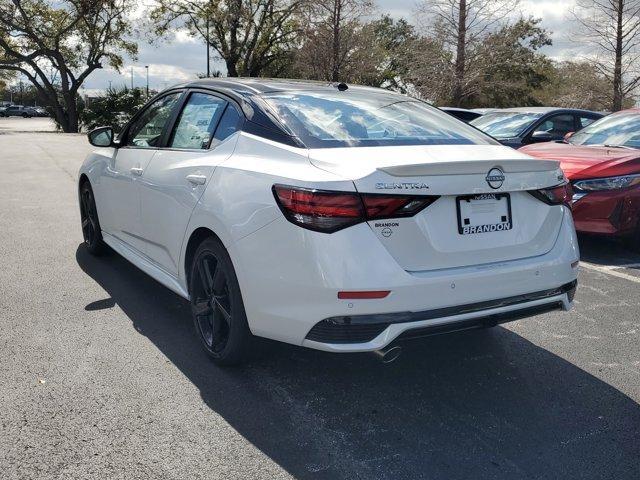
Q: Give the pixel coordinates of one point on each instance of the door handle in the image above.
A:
(197, 179)
(137, 171)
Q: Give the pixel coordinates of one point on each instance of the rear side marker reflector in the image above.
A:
(329, 211)
(366, 295)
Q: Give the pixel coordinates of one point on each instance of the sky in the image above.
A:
(181, 58)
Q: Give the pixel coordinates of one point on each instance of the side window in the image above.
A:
(146, 132)
(585, 121)
(229, 123)
(558, 126)
(197, 121)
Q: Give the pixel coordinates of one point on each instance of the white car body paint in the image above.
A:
(290, 276)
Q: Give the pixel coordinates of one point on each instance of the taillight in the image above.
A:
(558, 195)
(330, 211)
(393, 206)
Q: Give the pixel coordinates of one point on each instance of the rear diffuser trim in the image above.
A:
(364, 328)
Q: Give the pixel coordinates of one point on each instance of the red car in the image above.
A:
(602, 162)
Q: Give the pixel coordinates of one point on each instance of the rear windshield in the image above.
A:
(353, 119)
(618, 130)
(505, 124)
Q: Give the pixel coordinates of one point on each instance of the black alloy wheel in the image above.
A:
(90, 224)
(218, 312)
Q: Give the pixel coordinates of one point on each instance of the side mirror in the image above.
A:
(101, 137)
(568, 136)
(541, 136)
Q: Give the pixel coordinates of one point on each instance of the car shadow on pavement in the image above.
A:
(486, 404)
(606, 251)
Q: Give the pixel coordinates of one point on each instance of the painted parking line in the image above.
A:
(613, 270)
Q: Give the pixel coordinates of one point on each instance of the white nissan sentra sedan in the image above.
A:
(331, 216)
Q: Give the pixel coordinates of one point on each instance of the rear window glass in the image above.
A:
(351, 119)
(616, 130)
(505, 124)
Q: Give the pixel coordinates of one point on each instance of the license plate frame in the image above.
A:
(488, 228)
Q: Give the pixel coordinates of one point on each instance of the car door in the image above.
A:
(551, 128)
(177, 175)
(120, 215)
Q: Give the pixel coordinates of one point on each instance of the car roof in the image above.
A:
(257, 86)
(456, 109)
(543, 110)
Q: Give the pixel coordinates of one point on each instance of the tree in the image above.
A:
(461, 26)
(5, 76)
(392, 43)
(115, 108)
(249, 35)
(576, 84)
(514, 67)
(56, 45)
(612, 29)
(335, 44)
(430, 70)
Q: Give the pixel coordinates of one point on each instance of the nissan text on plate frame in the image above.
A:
(335, 217)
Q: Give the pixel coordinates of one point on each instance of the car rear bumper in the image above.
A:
(290, 278)
(612, 213)
(366, 328)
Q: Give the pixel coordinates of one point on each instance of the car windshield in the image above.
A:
(617, 130)
(361, 118)
(505, 124)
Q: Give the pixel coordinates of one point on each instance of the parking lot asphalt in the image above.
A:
(19, 124)
(102, 377)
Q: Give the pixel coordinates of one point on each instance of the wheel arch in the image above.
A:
(83, 178)
(81, 181)
(195, 239)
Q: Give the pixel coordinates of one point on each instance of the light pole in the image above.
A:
(147, 69)
(131, 78)
(208, 55)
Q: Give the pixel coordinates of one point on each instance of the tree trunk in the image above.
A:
(72, 114)
(460, 54)
(61, 119)
(61, 112)
(617, 69)
(335, 67)
(232, 67)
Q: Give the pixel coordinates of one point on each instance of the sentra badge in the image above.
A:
(401, 186)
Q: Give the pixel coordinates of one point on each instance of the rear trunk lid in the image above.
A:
(472, 222)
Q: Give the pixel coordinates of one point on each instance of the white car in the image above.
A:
(329, 216)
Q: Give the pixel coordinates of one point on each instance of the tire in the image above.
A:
(24, 115)
(632, 242)
(90, 223)
(217, 309)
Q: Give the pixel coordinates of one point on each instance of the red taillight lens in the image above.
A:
(319, 210)
(558, 195)
(328, 211)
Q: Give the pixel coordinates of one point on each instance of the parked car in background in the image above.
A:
(333, 217)
(483, 111)
(516, 127)
(602, 161)
(461, 113)
(18, 111)
(38, 112)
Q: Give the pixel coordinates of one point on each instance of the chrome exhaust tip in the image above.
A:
(388, 355)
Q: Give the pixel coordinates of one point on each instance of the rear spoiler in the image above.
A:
(470, 167)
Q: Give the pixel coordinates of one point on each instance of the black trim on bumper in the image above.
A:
(364, 328)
